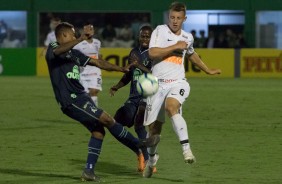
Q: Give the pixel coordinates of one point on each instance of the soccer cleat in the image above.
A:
(189, 157)
(154, 169)
(149, 142)
(150, 166)
(88, 175)
(141, 162)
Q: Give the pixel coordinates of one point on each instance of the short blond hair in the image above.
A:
(178, 6)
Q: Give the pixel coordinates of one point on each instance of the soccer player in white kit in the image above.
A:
(51, 37)
(168, 47)
(90, 76)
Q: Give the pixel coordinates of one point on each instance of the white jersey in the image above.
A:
(51, 37)
(171, 68)
(91, 50)
(90, 74)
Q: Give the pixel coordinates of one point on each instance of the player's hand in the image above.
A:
(113, 90)
(127, 67)
(213, 71)
(83, 36)
(181, 45)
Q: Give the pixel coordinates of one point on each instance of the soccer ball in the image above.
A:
(147, 84)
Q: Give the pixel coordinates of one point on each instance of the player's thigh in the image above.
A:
(179, 91)
(155, 108)
(139, 117)
(126, 113)
(85, 112)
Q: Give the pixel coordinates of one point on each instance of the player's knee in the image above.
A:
(93, 92)
(106, 120)
(99, 134)
(171, 110)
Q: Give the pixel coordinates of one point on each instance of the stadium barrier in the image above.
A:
(233, 62)
(18, 62)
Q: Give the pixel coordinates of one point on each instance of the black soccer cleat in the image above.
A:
(88, 175)
(150, 142)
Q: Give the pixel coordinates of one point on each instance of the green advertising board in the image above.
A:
(17, 62)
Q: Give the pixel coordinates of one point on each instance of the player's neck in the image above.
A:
(178, 32)
(90, 40)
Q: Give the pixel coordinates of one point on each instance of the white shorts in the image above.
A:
(155, 109)
(90, 77)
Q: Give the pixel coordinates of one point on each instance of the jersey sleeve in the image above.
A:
(156, 38)
(50, 54)
(190, 48)
(47, 40)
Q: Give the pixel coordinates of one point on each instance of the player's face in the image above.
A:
(144, 38)
(88, 31)
(175, 21)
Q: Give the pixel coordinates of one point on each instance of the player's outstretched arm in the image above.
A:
(126, 78)
(65, 47)
(133, 57)
(198, 62)
(105, 65)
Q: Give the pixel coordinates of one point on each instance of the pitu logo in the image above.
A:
(74, 74)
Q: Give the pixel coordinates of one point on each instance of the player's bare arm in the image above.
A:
(123, 82)
(105, 65)
(134, 58)
(195, 59)
(158, 54)
(143, 68)
(65, 47)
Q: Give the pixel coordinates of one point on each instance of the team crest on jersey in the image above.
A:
(184, 36)
(145, 62)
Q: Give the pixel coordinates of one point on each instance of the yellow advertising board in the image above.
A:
(213, 58)
(261, 63)
(41, 65)
(117, 56)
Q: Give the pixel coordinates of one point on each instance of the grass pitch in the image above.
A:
(234, 126)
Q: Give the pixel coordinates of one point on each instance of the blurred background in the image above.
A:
(246, 33)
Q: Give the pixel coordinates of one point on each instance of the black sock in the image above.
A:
(125, 137)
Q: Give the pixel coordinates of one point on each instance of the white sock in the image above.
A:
(180, 128)
(152, 152)
(95, 99)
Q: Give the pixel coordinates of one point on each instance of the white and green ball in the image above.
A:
(147, 84)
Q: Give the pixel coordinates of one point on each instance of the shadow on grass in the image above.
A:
(37, 174)
(124, 173)
(108, 168)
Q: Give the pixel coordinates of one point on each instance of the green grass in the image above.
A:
(234, 126)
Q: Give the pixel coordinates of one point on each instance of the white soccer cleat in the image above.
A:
(189, 157)
(150, 165)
